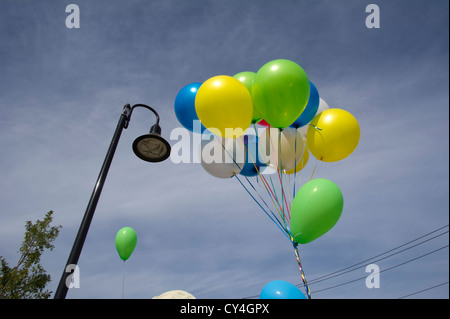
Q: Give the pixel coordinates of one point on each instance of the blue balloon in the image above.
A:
(280, 289)
(310, 110)
(251, 145)
(185, 108)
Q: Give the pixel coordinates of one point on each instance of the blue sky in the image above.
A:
(62, 91)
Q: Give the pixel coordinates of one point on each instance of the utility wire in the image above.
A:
(346, 269)
(330, 275)
(429, 288)
(342, 272)
(386, 269)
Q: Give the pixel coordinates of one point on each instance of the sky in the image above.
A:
(62, 91)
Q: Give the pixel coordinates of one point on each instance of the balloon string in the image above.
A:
(272, 195)
(286, 230)
(259, 175)
(274, 192)
(277, 222)
(262, 199)
(280, 174)
(297, 256)
(278, 171)
(123, 281)
(275, 201)
(267, 189)
(270, 191)
(314, 170)
(302, 161)
(222, 142)
(277, 166)
(288, 177)
(295, 170)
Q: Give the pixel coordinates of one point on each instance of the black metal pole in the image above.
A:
(84, 227)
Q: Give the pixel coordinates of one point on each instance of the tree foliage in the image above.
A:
(27, 280)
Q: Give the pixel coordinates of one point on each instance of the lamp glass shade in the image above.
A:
(151, 148)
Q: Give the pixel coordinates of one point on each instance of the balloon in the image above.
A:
(316, 208)
(322, 106)
(253, 163)
(224, 106)
(175, 294)
(247, 78)
(222, 157)
(304, 129)
(281, 149)
(301, 163)
(305, 156)
(280, 289)
(280, 92)
(310, 110)
(126, 240)
(263, 122)
(185, 106)
(333, 135)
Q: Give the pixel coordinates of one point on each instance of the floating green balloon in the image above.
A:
(316, 208)
(280, 92)
(126, 240)
(247, 78)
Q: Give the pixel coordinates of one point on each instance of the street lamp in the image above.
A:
(150, 147)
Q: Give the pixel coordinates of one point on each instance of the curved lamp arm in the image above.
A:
(127, 110)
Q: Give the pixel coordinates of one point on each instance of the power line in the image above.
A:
(348, 269)
(335, 273)
(429, 288)
(398, 265)
(342, 272)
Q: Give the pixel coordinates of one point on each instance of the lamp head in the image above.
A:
(152, 147)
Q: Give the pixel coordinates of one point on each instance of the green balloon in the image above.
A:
(126, 240)
(247, 78)
(280, 92)
(316, 208)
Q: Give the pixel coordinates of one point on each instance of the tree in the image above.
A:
(27, 280)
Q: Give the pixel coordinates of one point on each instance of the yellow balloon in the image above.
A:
(224, 106)
(333, 135)
(301, 163)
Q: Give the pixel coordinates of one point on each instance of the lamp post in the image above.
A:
(150, 147)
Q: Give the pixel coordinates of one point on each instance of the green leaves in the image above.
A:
(28, 279)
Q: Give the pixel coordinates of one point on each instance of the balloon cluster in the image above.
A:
(293, 121)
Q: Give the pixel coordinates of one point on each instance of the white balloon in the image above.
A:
(304, 129)
(322, 106)
(175, 294)
(281, 149)
(223, 157)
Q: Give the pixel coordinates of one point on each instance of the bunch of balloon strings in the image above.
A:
(279, 214)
